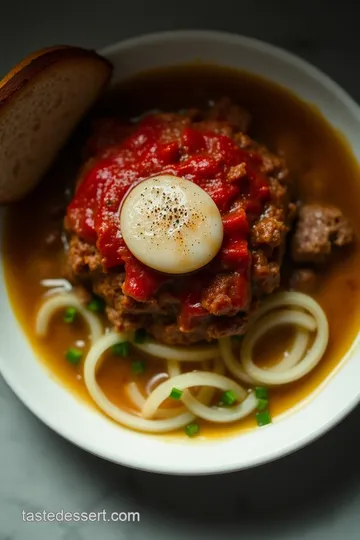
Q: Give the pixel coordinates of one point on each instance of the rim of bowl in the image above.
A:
(295, 439)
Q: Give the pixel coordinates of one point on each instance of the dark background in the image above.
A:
(311, 495)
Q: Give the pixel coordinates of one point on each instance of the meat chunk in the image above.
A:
(268, 231)
(318, 231)
(303, 280)
(235, 173)
(216, 126)
(228, 327)
(265, 274)
(110, 287)
(83, 260)
(226, 295)
(271, 164)
(171, 334)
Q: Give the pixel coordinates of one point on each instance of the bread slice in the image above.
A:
(41, 101)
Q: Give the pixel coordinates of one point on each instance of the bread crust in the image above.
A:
(35, 66)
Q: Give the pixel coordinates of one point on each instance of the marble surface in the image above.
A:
(311, 495)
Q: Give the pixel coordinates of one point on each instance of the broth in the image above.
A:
(320, 162)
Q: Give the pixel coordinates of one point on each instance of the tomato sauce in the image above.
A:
(203, 157)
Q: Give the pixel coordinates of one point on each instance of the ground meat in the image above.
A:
(319, 230)
(268, 231)
(231, 114)
(236, 172)
(210, 328)
(265, 274)
(271, 164)
(83, 260)
(219, 298)
(109, 286)
(175, 126)
(230, 326)
(303, 280)
(171, 334)
(215, 126)
(125, 322)
(221, 317)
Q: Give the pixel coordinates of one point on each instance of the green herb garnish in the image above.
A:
(121, 349)
(192, 429)
(228, 398)
(96, 304)
(262, 404)
(263, 418)
(261, 392)
(74, 355)
(137, 367)
(70, 315)
(176, 393)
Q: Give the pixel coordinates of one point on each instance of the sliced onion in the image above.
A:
(127, 419)
(221, 414)
(180, 354)
(138, 401)
(188, 380)
(173, 368)
(65, 300)
(317, 320)
(56, 285)
(231, 363)
(212, 361)
(296, 352)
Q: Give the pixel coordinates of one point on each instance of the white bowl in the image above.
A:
(92, 431)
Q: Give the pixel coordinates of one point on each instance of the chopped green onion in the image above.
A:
(73, 355)
(97, 305)
(140, 335)
(121, 349)
(70, 314)
(176, 393)
(237, 339)
(228, 398)
(137, 367)
(263, 418)
(192, 429)
(261, 392)
(262, 404)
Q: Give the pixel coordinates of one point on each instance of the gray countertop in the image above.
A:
(311, 495)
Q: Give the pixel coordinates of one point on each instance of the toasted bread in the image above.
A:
(41, 101)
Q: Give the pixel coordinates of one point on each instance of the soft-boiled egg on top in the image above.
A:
(171, 224)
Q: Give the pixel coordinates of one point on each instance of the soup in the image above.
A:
(323, 172)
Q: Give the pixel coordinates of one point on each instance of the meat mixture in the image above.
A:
(320, 230)
(249, 184)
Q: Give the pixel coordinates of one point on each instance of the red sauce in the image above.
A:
(154, 146)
